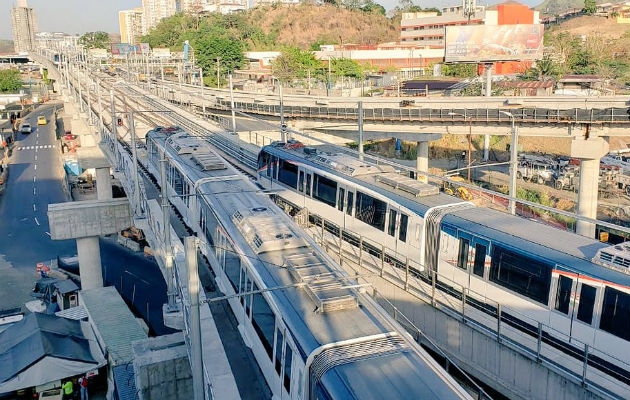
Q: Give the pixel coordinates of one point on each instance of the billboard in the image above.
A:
(162, 52)
(126, 48)
(98, 53)
(479, 43)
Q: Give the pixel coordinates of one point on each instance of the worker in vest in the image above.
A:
(83, 386)
(67, 390)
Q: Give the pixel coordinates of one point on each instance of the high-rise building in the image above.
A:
(24, 24)
(131, 25)
(156, 10)
(208, 6)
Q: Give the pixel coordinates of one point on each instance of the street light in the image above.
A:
(513, 163)
(469, 140)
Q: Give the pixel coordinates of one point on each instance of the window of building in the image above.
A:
(340, 197)
(288, 173)
(480, 259)
(264, 321)
(563, 294)
(616, 313)
(587, 302)
(391, 227)
(521, 274)
(371, 211)
(325, 190)
(288, 360)
(462, 253)
(350, 203)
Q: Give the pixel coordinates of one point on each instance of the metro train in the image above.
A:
(312, 330)
(576, 285)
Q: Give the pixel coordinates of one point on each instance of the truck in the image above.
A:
(536, 171)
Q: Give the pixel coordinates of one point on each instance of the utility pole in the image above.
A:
(513, 163)
(360, 121)
(114, 129)
(218, 75)
(232, 104)
(168, 254)
(329, 78)
(203, 102)
(469, 147)
(80, 90)
(89, 100)
(136, 181)
(195, 321)
(100, 105)
(283, 131)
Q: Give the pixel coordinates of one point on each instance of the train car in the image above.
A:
(538, 273)
(312, 330)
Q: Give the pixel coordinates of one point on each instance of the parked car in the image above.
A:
(538, 172)
(26, 128)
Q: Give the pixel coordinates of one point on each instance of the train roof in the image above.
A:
(574, 252)
(241, 207)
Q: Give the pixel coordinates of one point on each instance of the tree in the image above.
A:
(545, 67)
(347, 67)
(10, 80)
(370, 6)
(210, 48)
(95, 40)
(590, 7)
(293, 63)
(460, 70)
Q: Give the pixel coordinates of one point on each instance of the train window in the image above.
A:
(232, 265)
(250, 286)
(288, 359)
(308, 184)
(615, 312)
(301, 182)
(269, 164)
(480, 259)
(391, 227)
(563, 294)
(342, 194)
(263, 160)
(279, 342)
(587, 302)
(288, 173)
(462, 253)
(521, 274)
(402, 233)
(264, 322)
(350, 203)
(325, 190)
(371, 211)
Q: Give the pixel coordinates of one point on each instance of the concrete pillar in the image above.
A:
(89, 262)
(486, 147)
(103, 184)
(589, 151)
(488, 80)
(587, 196)
(422, 160)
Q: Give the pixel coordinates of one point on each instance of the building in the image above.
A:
(24, 24)
(526, 88)
(260, 3)
(155, 11)
(56, 40)
(209, 6)
(130, 24)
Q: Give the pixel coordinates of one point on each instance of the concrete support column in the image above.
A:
(488, 80)
(103, 184)
(486, 147)
(89, 262)
(587, 196)
(422, 160)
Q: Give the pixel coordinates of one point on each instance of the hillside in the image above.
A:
(306, 24)
(554, 7)
(613, 35)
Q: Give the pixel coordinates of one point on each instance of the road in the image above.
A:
(36, 180)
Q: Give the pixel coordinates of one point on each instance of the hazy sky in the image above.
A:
(79, 16)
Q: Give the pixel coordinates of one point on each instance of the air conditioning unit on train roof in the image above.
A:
(265, 231)
(615, 257)
(208, 160)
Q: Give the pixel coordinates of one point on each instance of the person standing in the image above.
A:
(67, 390)
(83, 386)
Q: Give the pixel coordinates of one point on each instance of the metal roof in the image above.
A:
(76, 313)
(114, 324)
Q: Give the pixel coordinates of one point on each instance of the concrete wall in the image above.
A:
(162, 370)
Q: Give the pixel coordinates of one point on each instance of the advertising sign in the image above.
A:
(98, 53)
(126, 48)
(145, 48)
(479, 43)
(162, 52)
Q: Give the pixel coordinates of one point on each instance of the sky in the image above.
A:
(80, 16)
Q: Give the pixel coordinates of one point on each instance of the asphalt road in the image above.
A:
(36, 180)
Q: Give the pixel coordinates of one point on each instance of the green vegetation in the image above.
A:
(10, 81)
(460, 70)
(295, 63)
(589, 7)
(555, 7)
(95, 40)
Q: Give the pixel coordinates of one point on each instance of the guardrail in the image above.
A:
(522, 115)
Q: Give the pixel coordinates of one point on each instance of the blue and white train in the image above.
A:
(576, 285)
(314, 334)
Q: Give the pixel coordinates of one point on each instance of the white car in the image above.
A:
(26, 128)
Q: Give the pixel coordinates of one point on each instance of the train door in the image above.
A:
(478, 264)
(393, 225)
(461, 274)
(562, 303)
(342, 204)
(585, 310)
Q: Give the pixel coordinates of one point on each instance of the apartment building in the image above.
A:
(24, 26)
(156, 10)
(131, 25)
